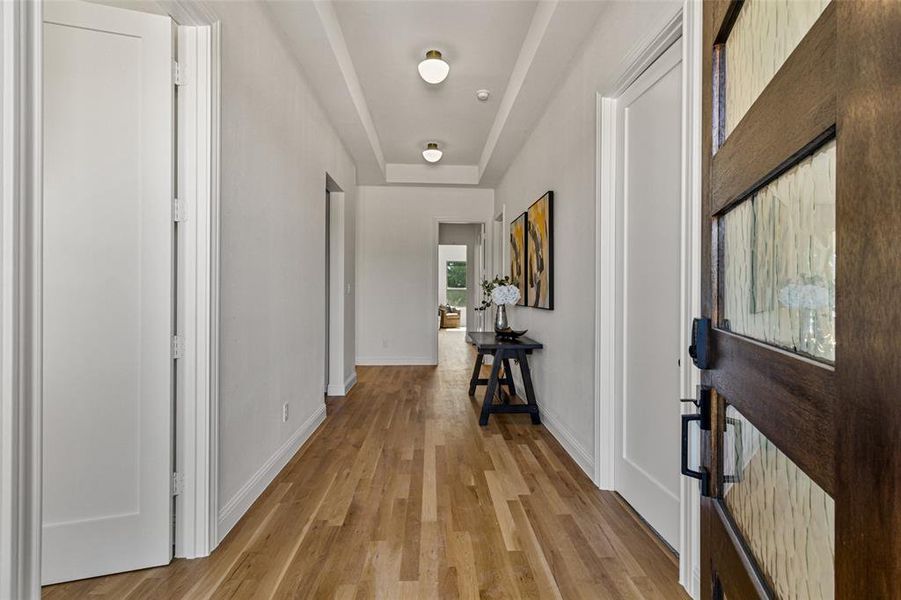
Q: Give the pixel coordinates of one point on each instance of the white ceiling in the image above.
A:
(360, 57)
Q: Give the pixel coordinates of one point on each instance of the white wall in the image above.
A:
(276, 149)
(560, 155)
(397, 238)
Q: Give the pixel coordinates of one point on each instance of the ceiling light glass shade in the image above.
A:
(432, 153)
(433, 69)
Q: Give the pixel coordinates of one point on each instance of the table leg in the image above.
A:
(476, 371)
(527, 382)
(492, 388)
(508, 377)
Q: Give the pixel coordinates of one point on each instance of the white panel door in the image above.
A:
(108, 292)
(646, 470)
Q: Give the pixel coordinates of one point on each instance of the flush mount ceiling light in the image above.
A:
(433, 69)
(432, 153)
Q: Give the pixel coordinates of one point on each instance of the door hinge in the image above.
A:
(178, 346)
(178, 74)
(178, 210)
(178, 484)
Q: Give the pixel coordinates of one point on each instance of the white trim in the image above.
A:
(215, 273)
(390, 361)
(198, 190)
(692, 44)
(538, 26)
(337, 277)
(644, 54)
(189, 12)
(336, 40)
(20, 300)
(605, 303)
(687, 24)
(632, 66)
(429, 174)
(342, 390)
(579, 453)
(241, 502)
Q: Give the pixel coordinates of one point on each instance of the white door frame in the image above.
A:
(21, 24)
(20, 317)
(480, 268)
(686, 24)
(197, 404)
(337, 384)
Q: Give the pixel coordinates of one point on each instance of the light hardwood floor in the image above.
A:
(400, 494)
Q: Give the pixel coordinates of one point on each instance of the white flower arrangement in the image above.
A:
(505, 294)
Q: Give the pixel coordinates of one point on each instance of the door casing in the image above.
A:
(685, 23)
(20, 395)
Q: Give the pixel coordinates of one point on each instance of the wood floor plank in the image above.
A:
(400, 494)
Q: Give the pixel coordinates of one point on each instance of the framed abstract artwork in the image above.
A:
(540, 253)
(518, 245)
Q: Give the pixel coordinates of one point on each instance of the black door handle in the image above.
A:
(701, 474)
(703, 419)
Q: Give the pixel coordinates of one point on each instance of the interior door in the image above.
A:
(649, 129)
(800, 399)
(107, 290)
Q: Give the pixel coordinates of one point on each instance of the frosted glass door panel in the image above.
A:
(786, 519)
(779, 260)
(764, 35)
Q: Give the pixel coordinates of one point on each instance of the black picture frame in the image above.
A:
(534, 251)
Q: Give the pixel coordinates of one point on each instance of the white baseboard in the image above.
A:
(232, 511)
(341, 390)
(391, 361)
(576, 450)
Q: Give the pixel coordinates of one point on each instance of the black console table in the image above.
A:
(503, 350)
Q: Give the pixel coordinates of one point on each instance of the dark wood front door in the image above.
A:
(802, 274)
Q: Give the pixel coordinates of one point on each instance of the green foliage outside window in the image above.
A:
(456, 274)
(456, 282)
(456, 297)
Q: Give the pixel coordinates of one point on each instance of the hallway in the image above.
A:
(447, 510)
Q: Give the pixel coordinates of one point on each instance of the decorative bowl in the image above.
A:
(509, 334)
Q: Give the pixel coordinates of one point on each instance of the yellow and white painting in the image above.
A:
(540, 251)
(518, 255)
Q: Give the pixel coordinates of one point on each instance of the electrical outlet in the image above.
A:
(285, 413)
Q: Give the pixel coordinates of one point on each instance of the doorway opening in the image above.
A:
(460, 256)
(333, 382)
(326, 288)
(453, 300)
(452, 287)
